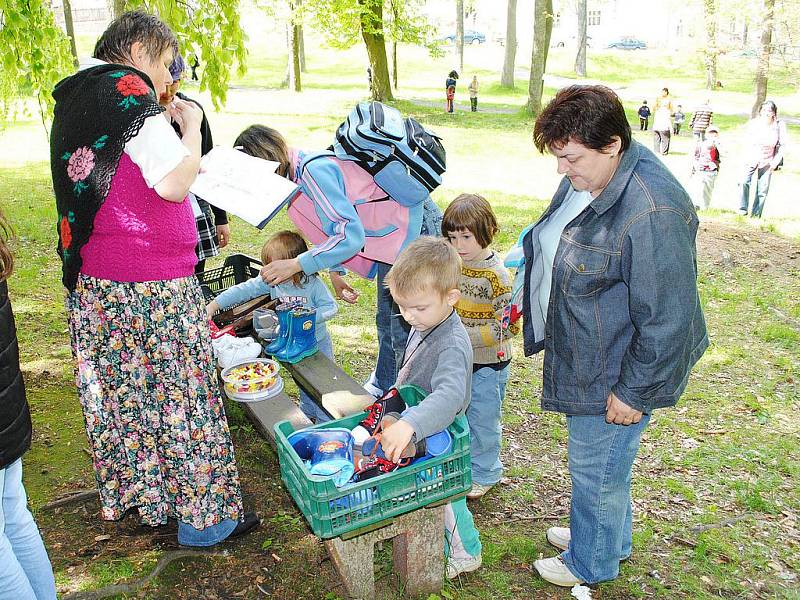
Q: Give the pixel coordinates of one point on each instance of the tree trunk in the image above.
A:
(711, 52)
(507, 78)
(372, 32)
(288, 76)
(394, 64)
(762, 70)
(294, 70)
(542, 29)
(302, 38)
(70, 31)
(460, 34)
(580, 58)
(117, 7)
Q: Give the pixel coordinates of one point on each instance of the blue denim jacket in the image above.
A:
(624, 312)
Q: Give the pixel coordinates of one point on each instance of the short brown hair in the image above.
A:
(114, 46)
(473, 213)
(427, 265)
(591, 115)
(285, 244)
(267, 143)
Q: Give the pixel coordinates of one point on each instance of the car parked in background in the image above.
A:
(627, 43)
(470, 37)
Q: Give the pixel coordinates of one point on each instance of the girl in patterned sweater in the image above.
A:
(470, 225)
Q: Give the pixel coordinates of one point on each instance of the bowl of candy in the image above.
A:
(252, 381)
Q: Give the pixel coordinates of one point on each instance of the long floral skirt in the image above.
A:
(154, 417)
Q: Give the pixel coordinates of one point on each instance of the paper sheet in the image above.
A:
(243, 185)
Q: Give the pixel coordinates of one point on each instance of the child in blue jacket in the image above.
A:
(281, 246)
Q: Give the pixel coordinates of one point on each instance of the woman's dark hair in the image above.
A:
(771, 105)
(114, 45)
(591, 115)
(453, 74)
(6, 258)
(665, 90)
(267, 143)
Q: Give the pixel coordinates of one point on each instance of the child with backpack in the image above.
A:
(308, 289)
(470, 225)
(353, 221)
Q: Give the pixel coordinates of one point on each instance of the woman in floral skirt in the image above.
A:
(146, 381)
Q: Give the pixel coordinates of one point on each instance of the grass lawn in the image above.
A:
(717, 504)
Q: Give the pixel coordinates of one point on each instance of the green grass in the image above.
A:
(715, 487)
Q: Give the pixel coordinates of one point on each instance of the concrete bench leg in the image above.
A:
(419, 552)
(418, 555)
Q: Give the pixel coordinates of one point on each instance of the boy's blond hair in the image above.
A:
(285, 244)
(428, 264)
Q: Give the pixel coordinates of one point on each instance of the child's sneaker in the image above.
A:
(391, 402)
(478, 491)
(374, 466)
(457, 566)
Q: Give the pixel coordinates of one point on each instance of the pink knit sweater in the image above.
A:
(139, 236)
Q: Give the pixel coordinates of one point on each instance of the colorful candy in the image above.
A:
(250, 377)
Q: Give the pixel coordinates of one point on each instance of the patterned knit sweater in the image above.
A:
(485, 291)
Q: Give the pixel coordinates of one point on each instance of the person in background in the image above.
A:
(213, 230)
(678, 119)
(702, 117)
(281, 246)
(662, 123)
(450, 91)
(644, 116)
(766, 143)
(705, 167)
(25, 570)
(195, 65)
(473, 93)
(146, 379)
(610, 295)
(469, 224)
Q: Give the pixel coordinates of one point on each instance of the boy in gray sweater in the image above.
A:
(438, 358)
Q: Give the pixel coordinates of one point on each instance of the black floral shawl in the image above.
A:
(97, 111)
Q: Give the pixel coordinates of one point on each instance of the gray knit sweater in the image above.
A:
(440, 362)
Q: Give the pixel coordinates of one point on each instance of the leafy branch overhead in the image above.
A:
(34, 53)
(209, 29)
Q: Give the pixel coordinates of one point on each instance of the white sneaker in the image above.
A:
(556, 572)
(238, 353)
(559, 537)
(478, 490)
(457, 566)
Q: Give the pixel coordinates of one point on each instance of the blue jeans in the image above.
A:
(601, 459)
(25, 570)
(484, 415)
(311, 409)
(392, 333)
(762, 189)
(189, 536)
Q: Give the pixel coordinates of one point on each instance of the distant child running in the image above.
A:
(281, 246)
(705, 167)
(644, 116)
(438, 358)
(450, 90)
(470, 225)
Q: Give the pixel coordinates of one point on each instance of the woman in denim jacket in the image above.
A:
(610, 295)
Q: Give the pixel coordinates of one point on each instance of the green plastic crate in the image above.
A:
(333, 512)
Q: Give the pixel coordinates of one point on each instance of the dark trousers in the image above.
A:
(473, 102)
(676, 128)
(643, 123)
(661, 141)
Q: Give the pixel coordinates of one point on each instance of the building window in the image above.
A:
(593, 18)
